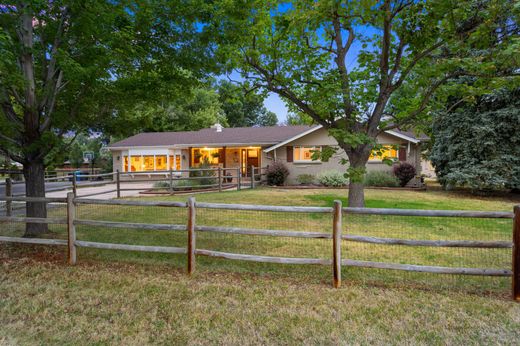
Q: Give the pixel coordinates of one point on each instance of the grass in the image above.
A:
(135, 298)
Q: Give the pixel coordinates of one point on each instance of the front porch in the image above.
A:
(228, 158)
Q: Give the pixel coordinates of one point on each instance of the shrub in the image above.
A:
(404, 172)
(276, 174)
(332, 179)
(305, 179)
(161, 185)
(208, 177)
(176, 184)
(382, 179)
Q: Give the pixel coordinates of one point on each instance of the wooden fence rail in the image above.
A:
(336, 260)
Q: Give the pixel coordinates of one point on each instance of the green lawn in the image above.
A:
(134, 298)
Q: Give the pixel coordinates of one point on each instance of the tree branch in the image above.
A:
(414, 62)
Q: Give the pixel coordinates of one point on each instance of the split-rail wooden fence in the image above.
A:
(335, 261)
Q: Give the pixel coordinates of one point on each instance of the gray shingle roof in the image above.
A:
(236, 135)
(268, 135)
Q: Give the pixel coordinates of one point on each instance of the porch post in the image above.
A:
(219, 179)
(238, 178)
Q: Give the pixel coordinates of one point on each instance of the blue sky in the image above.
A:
(275, 104)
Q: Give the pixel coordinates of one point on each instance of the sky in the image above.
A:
(275, 104)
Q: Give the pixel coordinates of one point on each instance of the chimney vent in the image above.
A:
(217, 127)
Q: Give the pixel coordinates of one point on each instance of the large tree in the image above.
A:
(477, 142)
(66, 66)
(361, 67)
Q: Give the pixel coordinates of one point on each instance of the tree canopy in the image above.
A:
(244, 108)
(67, 66)
(477, 144)
(362, 67)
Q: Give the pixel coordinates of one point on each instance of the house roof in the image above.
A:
(276, 136)
(406, 135)
(229, 136)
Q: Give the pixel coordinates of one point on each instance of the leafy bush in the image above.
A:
(404, 172)
(277, 173)
(305, 179)
(381, 179)
(161, 185)
(332, 179)
(208, 177)
(176, 184)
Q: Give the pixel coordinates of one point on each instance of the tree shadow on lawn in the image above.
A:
(251, 272)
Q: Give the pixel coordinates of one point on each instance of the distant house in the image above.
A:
(243, 147)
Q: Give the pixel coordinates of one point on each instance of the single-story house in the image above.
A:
(243, 147)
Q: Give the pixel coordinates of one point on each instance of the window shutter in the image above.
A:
(289, 153)
(402, 153)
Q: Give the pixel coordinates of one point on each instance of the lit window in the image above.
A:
(160, 162)
(211, 155)
(136, 163)
(304, 154)
(148, 163)
(177, 162)
(386, 152)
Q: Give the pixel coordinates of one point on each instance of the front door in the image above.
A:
(250, 157)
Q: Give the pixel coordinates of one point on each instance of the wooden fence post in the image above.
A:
(74, 184)
(219, 179)
(171, 181)
(238, 178)
(516, 254)
(71, 228)
(336, 243)
(118, 183)
(252, 177)
(191, 235)
(8, 193)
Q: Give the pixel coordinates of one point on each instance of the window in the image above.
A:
(160, 162)
(148, 163)
(177, 162)
(172, 162)
(136, 163)
(386, 152)
(304, 154)
(212, 155)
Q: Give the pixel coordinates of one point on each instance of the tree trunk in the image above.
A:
(357, 163)
(356, 195)
(34, 173)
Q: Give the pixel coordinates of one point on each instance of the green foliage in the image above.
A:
(478, 144)
(360, 67)
(277, 173)
(199, 109)
(381, 179)
(332, 178)
(85, 66)
(243, 108)
(84, 143)
(305, 179)
(207, 176)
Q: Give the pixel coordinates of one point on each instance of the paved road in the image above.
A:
(66, 186)
(19, 188)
